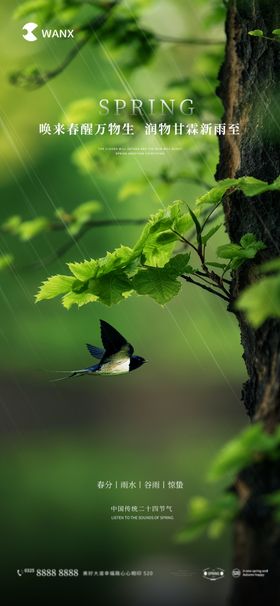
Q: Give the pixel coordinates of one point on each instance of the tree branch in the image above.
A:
(208, 288)
(195, 41)
(36, 79)
(57, 226)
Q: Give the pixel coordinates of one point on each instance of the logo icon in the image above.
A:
(29, 28)
(213, 574)
(236, 573)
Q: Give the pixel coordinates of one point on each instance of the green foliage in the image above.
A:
(149, 267)
(117, 25)
(29, 229)
(131, 188)
(125, 32)
(274, 501)
(56, 285)
(39, 9)
(5, 261)
(11, 224)
(256, 32)
(81, 110)
(26, 230)
(198, 228)
(238, 253)
(82, 215)
(89, 158)
(248, 185)
(261, 300)
(161, 283)
(260, 34)
(63, 11)
(30, 77)
(73, 221)
(217, 13)
(210, 234)
(250, 446)
(208, 516)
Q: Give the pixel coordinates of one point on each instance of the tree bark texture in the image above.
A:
(250, 91)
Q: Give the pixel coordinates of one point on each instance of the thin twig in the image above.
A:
(211, 290)
(59, 225)
(88, 29)
(200, 273)
(183, 239)
(71, 242)
(209, 215)
(195, 41)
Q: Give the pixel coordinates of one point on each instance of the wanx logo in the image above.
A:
(46, 33)
(29, 29)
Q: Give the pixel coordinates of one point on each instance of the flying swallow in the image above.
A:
(116, 358)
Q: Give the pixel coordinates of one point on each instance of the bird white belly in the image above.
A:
(115, 367)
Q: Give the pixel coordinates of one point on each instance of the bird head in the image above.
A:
(136, 362)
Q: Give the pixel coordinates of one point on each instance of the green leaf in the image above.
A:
(152, 245)
(179, 264)
(122, 257)
(31, 7)
(78, 298)
(209, 516)
(156, 282)
(131, 188)
(215, 195)
(276, 32)
(82, 110)
(84, 211)
(248, 185)
(256, 32)
(11, 224)
(95, 268)
(228, 251)
(154, 249)
(274, 498)
(238, 253)
(161, 283)
(29, 229)
(111, 288)
(216, 528)
(210, 233)
(197, 227)
(271, 266)
(6, 261)
(219, 265)
(85, 270)
(81, 215)
(261, 300)
(54, 286)
(244, 450)
(166, 237)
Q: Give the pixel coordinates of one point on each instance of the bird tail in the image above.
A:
(74, 373)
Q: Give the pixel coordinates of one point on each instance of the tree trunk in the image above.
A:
(249, 88)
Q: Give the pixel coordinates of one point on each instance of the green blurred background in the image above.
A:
(166, 421)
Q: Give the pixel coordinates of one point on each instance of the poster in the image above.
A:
(139, 267)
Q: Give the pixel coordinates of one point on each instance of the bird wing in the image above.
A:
(113, 341)
(96, 352)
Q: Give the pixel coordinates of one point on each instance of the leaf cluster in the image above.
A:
(252, 446)
(150, 267)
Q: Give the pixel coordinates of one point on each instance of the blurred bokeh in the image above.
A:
(163, 422)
